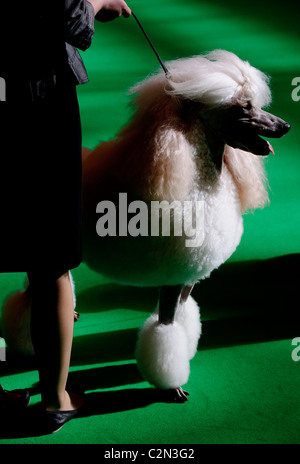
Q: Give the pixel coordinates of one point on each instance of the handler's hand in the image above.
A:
(112, 9)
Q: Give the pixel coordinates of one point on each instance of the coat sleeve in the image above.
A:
(78, 23)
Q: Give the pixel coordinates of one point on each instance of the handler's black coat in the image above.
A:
(40, 134)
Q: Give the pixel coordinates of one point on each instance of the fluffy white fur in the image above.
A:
(218, 78)
(188, 316)
(155, 158)
(249, 177)
(162, 354)
(163, 351)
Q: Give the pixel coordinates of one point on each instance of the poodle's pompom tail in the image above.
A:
(188, 316)
(15, 323)
(162, 354)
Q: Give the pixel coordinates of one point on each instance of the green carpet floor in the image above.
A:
(244, 383)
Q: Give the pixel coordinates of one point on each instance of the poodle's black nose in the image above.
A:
(280, 129)
(286, 128)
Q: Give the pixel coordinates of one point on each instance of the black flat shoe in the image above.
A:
(54, 420)
(21, 403)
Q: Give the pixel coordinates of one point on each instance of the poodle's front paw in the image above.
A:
(162, 354)
(175, 395)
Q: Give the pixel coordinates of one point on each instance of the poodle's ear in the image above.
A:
(249, 175)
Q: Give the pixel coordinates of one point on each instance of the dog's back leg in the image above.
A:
(185, 293)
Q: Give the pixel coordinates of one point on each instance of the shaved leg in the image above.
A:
(185, 293)
(168, 302)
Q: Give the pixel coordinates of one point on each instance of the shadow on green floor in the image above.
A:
(29, 423)
(240, 303)
(250, 302)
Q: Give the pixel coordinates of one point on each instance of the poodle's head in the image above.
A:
(215, 100)
(229, 94)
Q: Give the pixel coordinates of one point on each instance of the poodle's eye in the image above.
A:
(248, 106)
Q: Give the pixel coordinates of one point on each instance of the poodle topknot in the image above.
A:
(219, 78)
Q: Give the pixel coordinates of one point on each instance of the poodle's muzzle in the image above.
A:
(241, 127)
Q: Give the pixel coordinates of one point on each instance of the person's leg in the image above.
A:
(52, 321)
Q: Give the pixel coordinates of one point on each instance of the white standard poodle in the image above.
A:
(194, 139)
(192, 156)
